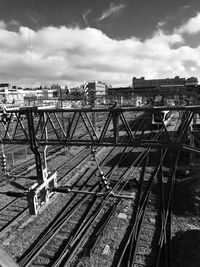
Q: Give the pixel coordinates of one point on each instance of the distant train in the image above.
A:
(163, 117)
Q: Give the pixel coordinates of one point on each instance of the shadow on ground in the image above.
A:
(185, 250)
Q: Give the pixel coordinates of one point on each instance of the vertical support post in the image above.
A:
(39, 194)
(43, 150)
(192, 144)
(33, 144)
(115, 118)
(92, 97)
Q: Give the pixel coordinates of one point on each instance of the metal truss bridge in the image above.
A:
(99, 127)
(114, 126)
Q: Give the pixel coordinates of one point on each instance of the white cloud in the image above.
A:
(112, 10)
(2, 24)
(71, 55)
(192, 26)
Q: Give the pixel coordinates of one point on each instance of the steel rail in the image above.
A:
(19, 215)
(14, 201)
(71, 246)
(165, 236)
(138, 225)
(132, 243)
(55, 226)
(112, 209)
(79, 237)
(48, 238)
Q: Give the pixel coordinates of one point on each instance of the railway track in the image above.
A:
(13, 209)
(80, 238)
(76, 238)
(14, 204)
(149, 234)
(78, 234)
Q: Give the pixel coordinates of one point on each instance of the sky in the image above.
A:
(72, 41)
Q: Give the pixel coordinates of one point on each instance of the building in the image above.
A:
(123, 95)
(33, 96)
(49, 92)
(178, 88)
(88, 92)
(97, 91)
(98, 87)
(10, 94)
(162, 84)
(156, 83)
(155, 90)
(76, 93)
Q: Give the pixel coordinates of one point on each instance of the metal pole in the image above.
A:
(93, 95)
(33, 145)
(63, 124)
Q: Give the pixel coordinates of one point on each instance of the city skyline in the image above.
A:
(68, 41)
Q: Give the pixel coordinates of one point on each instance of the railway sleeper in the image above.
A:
(143, 250)
(140, 259)
(151, 214)
(147, 242)
(48, 253)
(41, 262)
(148, 231)
(150, 227)
(145, 238)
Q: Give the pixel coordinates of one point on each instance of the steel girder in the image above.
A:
(40, 127)
(77, 127)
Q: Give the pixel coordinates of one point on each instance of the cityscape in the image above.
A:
(141, 89)
(99, 133)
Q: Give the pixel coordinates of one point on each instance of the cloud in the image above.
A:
(85, 15)
(185, 7)
(192, 26)
(112, 10)
(2, 24)
(69, 55)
